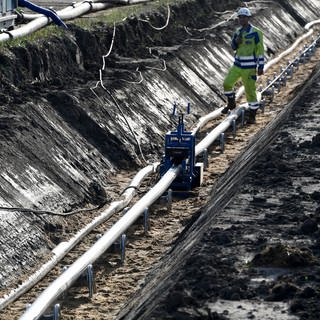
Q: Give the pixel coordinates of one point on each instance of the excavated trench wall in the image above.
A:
(61, 143)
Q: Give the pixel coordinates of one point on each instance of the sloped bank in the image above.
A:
(61, 143)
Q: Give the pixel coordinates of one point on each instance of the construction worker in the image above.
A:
(247, 42)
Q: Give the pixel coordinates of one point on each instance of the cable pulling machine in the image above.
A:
(180, 150)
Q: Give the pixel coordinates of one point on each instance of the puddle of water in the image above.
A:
(246, 309)
(269, 274)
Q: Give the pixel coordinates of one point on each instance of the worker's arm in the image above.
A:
(236, 40)
(259, 52)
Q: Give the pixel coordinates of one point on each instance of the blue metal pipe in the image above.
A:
(49, 13)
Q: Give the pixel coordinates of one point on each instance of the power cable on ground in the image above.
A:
(51, 213)
(158, 28)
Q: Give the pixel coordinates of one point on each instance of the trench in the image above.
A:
(60, 139)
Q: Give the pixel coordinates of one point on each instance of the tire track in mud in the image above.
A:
(115, 283)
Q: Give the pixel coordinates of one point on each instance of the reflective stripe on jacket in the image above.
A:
(250, 52)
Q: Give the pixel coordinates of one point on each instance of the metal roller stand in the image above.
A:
(289, 71)
(277, 82)
(234, 128)
(123, 248)
(307, 54)
(205, 157)
(242, 117)
(169, 199)
(116, 247)
(283, 80)
(54, 316)
(125, 210)
(91, 281)
(222, 142)
(146, 224)
(263, 105)
(56, 311)
(98, 236)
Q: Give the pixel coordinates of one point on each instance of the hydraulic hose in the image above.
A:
(49, 13)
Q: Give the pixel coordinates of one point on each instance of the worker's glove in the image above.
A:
(260, 72)
(238, 40)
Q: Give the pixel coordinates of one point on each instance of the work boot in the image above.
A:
(230, 106)
(251, 116)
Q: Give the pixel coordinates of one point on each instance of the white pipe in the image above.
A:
(65, 14)
(310, 24)
(63, 248)
(215, 133)
(32, 16)
(205, 119)
(68, 277)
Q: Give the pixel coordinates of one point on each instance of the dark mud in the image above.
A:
(260, 257)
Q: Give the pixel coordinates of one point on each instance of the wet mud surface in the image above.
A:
(260, 257)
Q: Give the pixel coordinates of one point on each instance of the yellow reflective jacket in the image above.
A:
(250, 52)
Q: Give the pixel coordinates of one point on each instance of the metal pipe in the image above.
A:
(64, 247)
(68, 277)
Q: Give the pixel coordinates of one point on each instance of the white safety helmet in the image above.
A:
(244, 12)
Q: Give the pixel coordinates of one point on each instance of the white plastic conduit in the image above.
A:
(310, 24)
(65, 14)
(215, 133)
(68, 277)
(63, 248)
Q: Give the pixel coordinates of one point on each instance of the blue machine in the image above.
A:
(8, 14)
(49, 13)
(180, 150)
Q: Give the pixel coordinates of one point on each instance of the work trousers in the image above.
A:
(249, 78)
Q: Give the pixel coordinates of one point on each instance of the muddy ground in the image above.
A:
(260, 256)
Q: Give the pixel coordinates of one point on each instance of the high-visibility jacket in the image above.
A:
(250, 52)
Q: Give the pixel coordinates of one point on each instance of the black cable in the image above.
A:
(35, 211)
